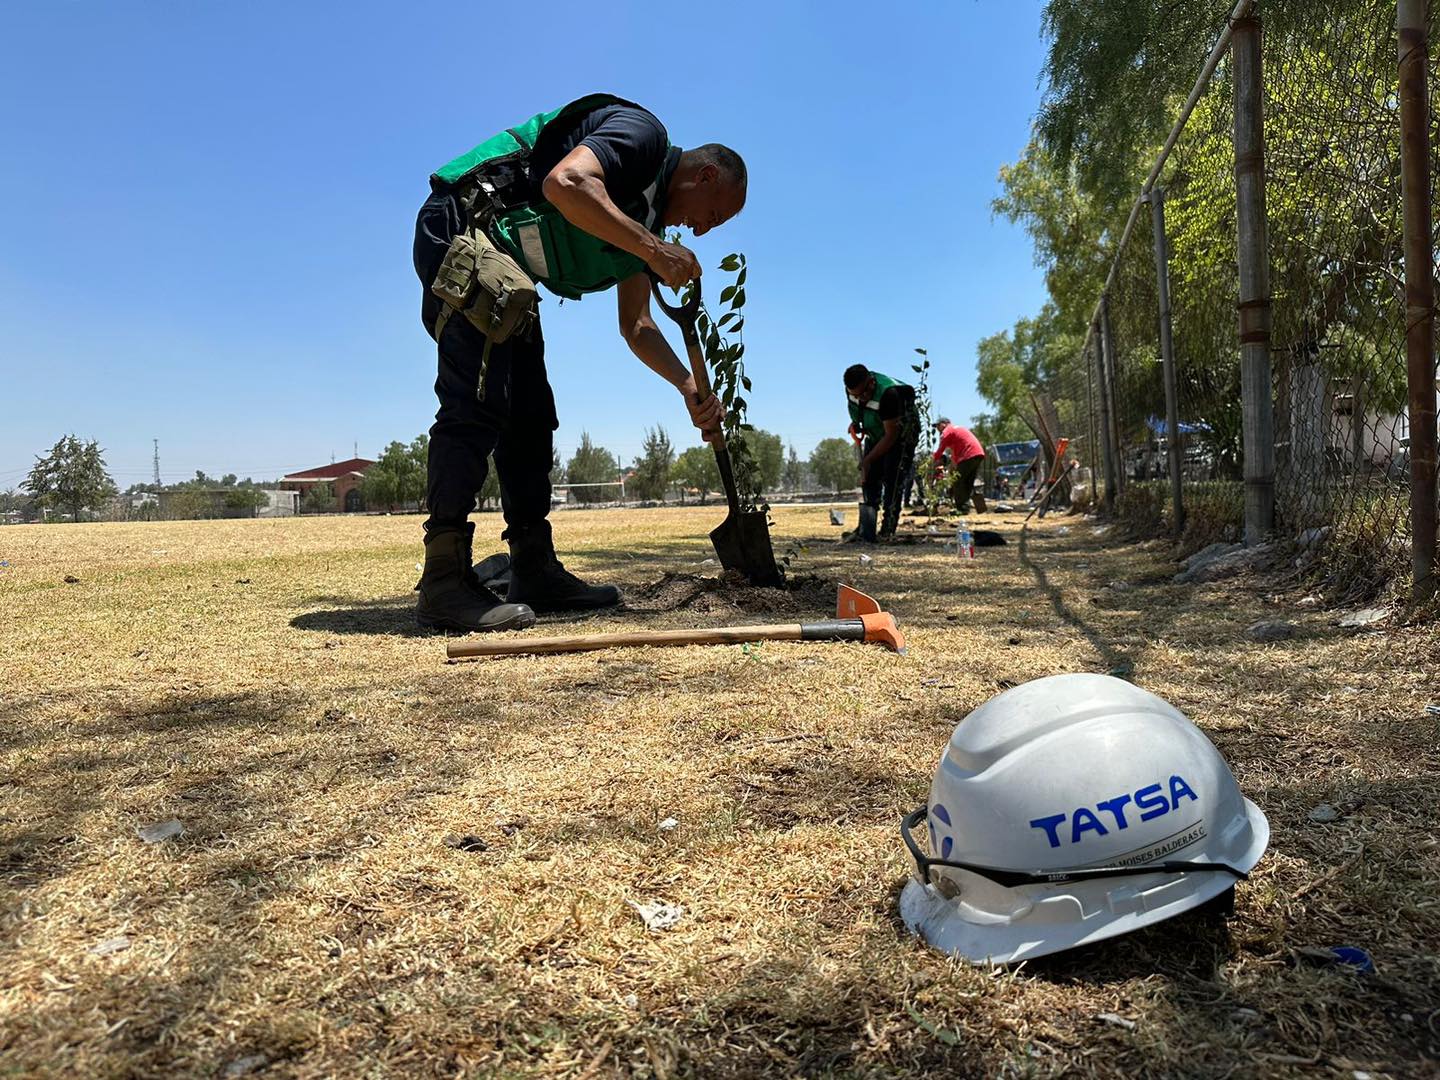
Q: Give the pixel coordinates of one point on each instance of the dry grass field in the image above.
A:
(395, 866)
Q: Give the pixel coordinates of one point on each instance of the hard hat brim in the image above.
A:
(1067, 915)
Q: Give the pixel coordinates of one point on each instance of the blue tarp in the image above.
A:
(1159, 428)
(1016, 453)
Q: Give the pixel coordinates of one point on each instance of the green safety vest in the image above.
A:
(865, 415)
(567, 260)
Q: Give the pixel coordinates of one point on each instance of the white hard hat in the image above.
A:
(1068, 810)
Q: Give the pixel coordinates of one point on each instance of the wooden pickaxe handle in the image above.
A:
(879, 628)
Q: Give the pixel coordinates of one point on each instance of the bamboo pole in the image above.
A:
(1419, 289)
(1167, 357)
(1253, 260)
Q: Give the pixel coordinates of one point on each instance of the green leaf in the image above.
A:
(730, 263)
(739, 299)
(727, 317)
(915, 368)
(922, 352)
(740, 279)
(738, 326)
(745, 382)
(726, 293)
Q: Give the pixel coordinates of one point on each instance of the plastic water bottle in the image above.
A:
(964, 542)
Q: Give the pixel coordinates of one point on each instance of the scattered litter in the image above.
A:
(1246, 1016)
(1122, 670)
(712, 561)
(668, 825)
(111, 946)
(510, 828)
(1324, 813)
(1101, 530)
(1063, 530)
(1363, 617)
(1003, 508)
(1115, 1020)
(1271, 630)
(658, 916)
(1433, 710)
(866, 560)
(837, 517)
(242, 581)
(419, 568)
(1347, 956)
(1308, 602)
(1119, 586)
(246, 1065)
(631, 1001)
(466, 842)
(71, 579)
(161, 830)
(1014, 640)
(931, 530)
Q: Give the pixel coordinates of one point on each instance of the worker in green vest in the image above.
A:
(577, 200)
(884, 416)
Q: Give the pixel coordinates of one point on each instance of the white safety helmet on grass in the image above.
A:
(1068, 810)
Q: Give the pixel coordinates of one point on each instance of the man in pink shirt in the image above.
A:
(966, 457)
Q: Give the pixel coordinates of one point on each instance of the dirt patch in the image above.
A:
(731, 594)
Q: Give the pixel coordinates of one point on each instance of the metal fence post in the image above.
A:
(1419, 288)
(1167, 357)
(1253, 252)
(1106, 357)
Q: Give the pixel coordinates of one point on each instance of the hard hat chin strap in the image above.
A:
(1013, 878)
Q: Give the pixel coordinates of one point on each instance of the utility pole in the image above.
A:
(1419, 290)
(157, 462)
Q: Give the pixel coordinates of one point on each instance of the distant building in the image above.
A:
(344, 477)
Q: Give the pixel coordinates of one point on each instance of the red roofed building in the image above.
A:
(344, 478)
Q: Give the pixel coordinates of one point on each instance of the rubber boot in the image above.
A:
(868, 515)
(538, 578)
(451, 596)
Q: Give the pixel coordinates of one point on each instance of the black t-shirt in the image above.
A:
(897, 401)
(630, 143)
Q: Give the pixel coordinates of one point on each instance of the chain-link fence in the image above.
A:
(1332, 322)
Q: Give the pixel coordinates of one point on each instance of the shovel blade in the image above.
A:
(742, 543)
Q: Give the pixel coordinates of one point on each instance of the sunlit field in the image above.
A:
(395, 865)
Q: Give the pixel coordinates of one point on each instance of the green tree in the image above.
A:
(651, 476)
(833, 464)
(189, 503)
(320, 499)
(591, 464)
(695, 470)
(490, 490)
(398, 477)
(766, 453)
(245, 499)
(793, 476)
(72, 477)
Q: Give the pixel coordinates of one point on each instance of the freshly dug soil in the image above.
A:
(731, 594)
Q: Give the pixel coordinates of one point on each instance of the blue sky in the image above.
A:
(206, 209)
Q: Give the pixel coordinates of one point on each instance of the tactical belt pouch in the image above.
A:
(487, 286)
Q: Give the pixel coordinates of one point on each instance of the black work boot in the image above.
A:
(451, 596)
(537, 578)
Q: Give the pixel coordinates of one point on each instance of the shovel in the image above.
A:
(742, 540)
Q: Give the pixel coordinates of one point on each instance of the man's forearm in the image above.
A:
(881, 448)
(586, 204)
(655, 352)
